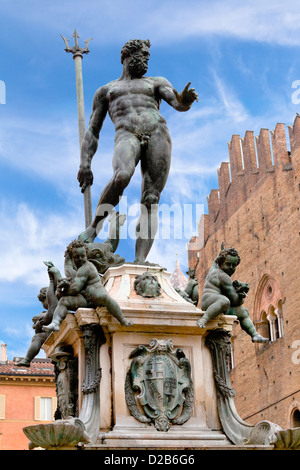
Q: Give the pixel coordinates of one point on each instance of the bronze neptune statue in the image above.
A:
(141, 135)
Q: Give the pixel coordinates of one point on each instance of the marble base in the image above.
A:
(166, 317)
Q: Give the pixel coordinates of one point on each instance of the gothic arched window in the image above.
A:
(295, 418)
(268, 311)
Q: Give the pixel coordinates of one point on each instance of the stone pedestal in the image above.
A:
(167, 319)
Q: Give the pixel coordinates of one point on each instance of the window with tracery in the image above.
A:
(264, 326)
(276, 321)
(268, 310)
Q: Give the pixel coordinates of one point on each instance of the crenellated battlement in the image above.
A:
(252, 159)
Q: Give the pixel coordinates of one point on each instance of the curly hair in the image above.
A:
(227, 251)
(144, 277)
(42, 294)
(132, 46)
(74, 244)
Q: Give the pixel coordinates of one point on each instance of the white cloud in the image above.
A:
(233, 108)
(271, 21)
(28, 238)
(164, 254)
(47, 148)
(39, 146)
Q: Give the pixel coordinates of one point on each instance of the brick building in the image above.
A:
(256, 210)
(27, 396)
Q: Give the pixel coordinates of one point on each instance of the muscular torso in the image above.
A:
(133, 105)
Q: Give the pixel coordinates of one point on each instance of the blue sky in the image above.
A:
(242, 58)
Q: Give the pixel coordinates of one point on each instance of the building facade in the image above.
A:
(27, 397)
(256, 210)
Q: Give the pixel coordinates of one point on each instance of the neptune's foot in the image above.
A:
(139, 261)
(22, 363)
(142, 262)
(89, 235)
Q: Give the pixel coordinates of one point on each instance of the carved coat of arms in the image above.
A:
(162, 378)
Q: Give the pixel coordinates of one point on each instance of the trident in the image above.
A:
(78, 56)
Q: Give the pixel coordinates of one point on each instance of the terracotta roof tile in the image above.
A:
(37, 367)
